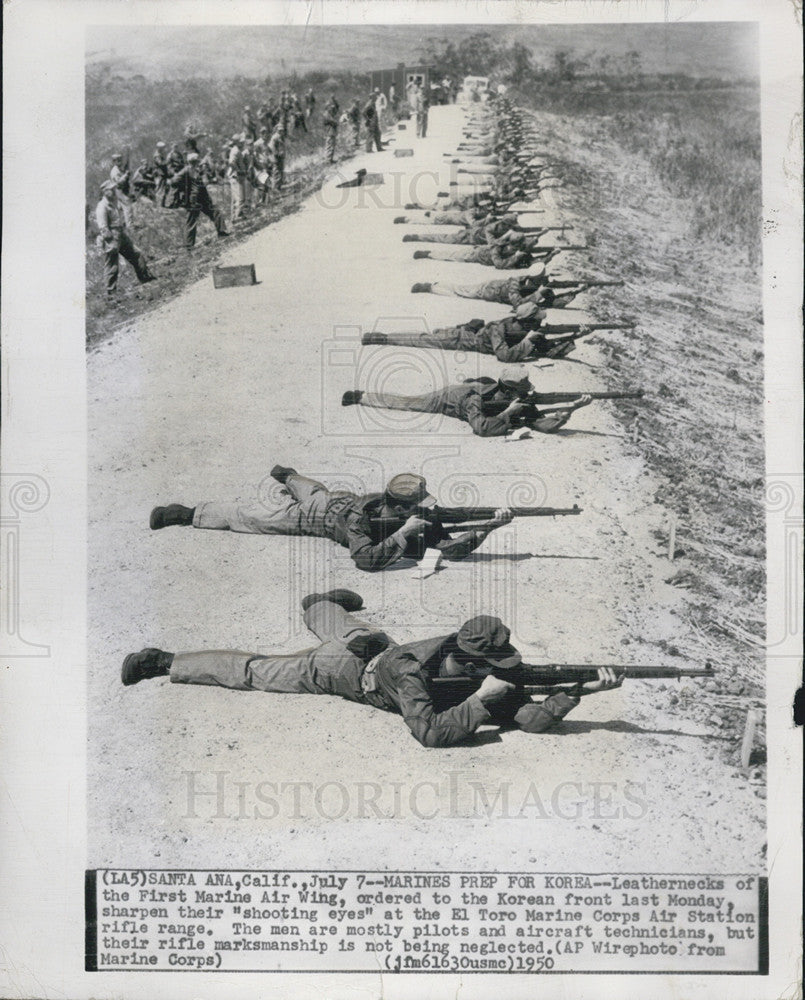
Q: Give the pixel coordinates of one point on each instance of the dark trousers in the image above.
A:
(121, 245)
(330, 131)
(329, 668)
(373, 136)
(206, 206)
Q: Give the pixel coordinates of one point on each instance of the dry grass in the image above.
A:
(133, 114)
(672, 190)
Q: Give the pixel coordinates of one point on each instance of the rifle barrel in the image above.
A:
(576, 327)
(568, 397)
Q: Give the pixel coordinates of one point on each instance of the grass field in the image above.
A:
(701, 145)
(670, 184)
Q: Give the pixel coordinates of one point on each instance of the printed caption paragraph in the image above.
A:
(303, 921)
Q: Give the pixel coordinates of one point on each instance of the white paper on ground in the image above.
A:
(428, 564)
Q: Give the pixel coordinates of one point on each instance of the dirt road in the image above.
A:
(196, 402)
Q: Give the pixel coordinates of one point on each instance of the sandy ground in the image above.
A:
(196, 402)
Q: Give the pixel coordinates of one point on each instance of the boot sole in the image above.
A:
(347, 599)
(129, 672)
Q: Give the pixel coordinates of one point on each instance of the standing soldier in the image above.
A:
(298, 113)
(285, 109)
(196, 199)
(113, 240)
(236, 175)
(393, 99)
(159, 162)
(421, 104)
(381, 103)
(262, 166)
(247, 123)
(143, 181)
(310, 103)
(248, 181)
(120, 176)
(330, 122)
(354, 114)
(371, 123)
(175, 164)
(276, 157)
(192, 134)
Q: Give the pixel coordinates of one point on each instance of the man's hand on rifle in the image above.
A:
(503, 515)
(607, 679)
(515, 408)
(414, 526)
(583, 400)
(493, 689)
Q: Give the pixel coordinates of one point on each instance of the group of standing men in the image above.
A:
(251, 164)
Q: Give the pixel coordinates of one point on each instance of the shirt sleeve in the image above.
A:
(484, 426)
(533, 718)
(101, 216)
(461, 545)
(366, 554)
(430, 728)
(503, 350)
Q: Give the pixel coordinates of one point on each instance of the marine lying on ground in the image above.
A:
(362, 663)
(468, 401)
(536, 287)
(524, 336)
(504, 254)
(379, 529)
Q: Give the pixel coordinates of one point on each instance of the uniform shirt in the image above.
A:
(370, 112)
(120, 178)
(504, 338)
(498, 256)
(236, 164)
(348, 521)
(160, 165)
(331, 109)
(108, 215)
(402, 674)
(276, 146)
(193, 191)
(465, 402)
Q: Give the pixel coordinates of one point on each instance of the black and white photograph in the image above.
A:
(424, 485)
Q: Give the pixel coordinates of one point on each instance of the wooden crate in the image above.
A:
(232, 277)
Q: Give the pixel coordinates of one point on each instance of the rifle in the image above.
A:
(457, 518)
(536, 679)
(576, 331)
(544, 229)
(534, 399)
(556, 247)
(571, 283)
